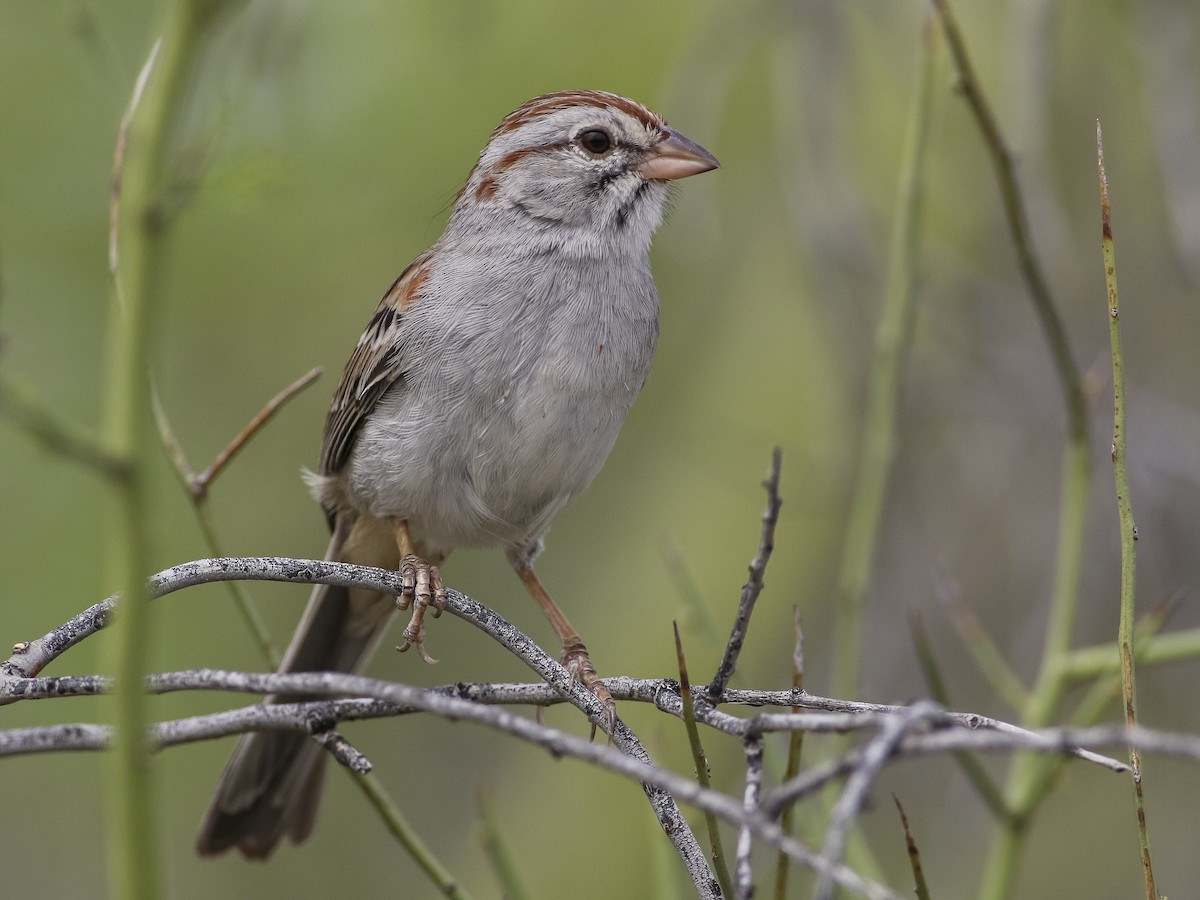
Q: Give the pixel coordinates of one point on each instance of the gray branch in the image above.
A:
(385, 698)
(874, 756)
(753, 587)
(30, 658)
(899, 731)
(744, 886)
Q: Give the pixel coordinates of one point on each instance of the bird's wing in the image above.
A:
(373, 367)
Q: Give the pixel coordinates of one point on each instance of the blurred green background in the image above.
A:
(326, 143)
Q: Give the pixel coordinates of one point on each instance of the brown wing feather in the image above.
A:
(372, 368)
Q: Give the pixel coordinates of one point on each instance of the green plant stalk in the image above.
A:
(1022, 790)
(208, 530)
(498, 854)
(400, 828)
(140, 186)
(242, 601)
(1030, 778)
(56, 432)
(971, 766)
(1088, 712)
(987, 656)
(1150, 649)
(720, 869)
(1129, 535)
(892, 337)
(792, 769)
(1014, 210)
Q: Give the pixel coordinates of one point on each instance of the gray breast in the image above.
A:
(518, 384)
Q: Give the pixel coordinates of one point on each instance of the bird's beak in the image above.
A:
(676, 157)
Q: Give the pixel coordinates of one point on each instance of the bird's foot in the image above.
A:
(422, 589)
(578, 664)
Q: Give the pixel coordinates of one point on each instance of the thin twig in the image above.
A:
(1027, 779)
(754, 586)
(700, 760)
(170, 441)
(987, 789)
(1129, 533)
(496, 848)
(1014, 209)
(795, 747)
(58, 433)
(745, 845)
(849, 717)
(402, 830)
(984, 652)
(202, 482)
(921, 889)
(892, 338)
(854, 795)
(345, 753)
(854, 717)
(300, 717)
(30, 657)
(312, 716)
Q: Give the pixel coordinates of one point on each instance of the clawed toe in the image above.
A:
(579, 666)
(421, 588)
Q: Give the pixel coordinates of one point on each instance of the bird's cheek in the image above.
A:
(556, 200)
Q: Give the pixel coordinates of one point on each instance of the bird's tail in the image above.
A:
(271, 786)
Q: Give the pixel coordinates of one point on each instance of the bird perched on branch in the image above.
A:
(483, 396)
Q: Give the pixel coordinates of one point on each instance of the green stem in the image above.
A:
(971, 766)
(700, 760)
(795, 748)
(403, 831)
(1027, 781)
(1177, 646)
(1129, 535)
(56, 432)
(1030, 778)
(498, 853)
(879, 431)
(141, 219)
(241, 599)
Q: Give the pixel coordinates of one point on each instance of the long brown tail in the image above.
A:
(271, 786)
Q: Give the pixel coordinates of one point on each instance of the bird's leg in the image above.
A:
(422, 588)
(575, 657)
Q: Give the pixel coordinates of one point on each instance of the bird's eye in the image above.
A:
(595, 140)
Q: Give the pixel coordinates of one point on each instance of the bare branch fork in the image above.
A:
(631, 760)
(901, 731)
